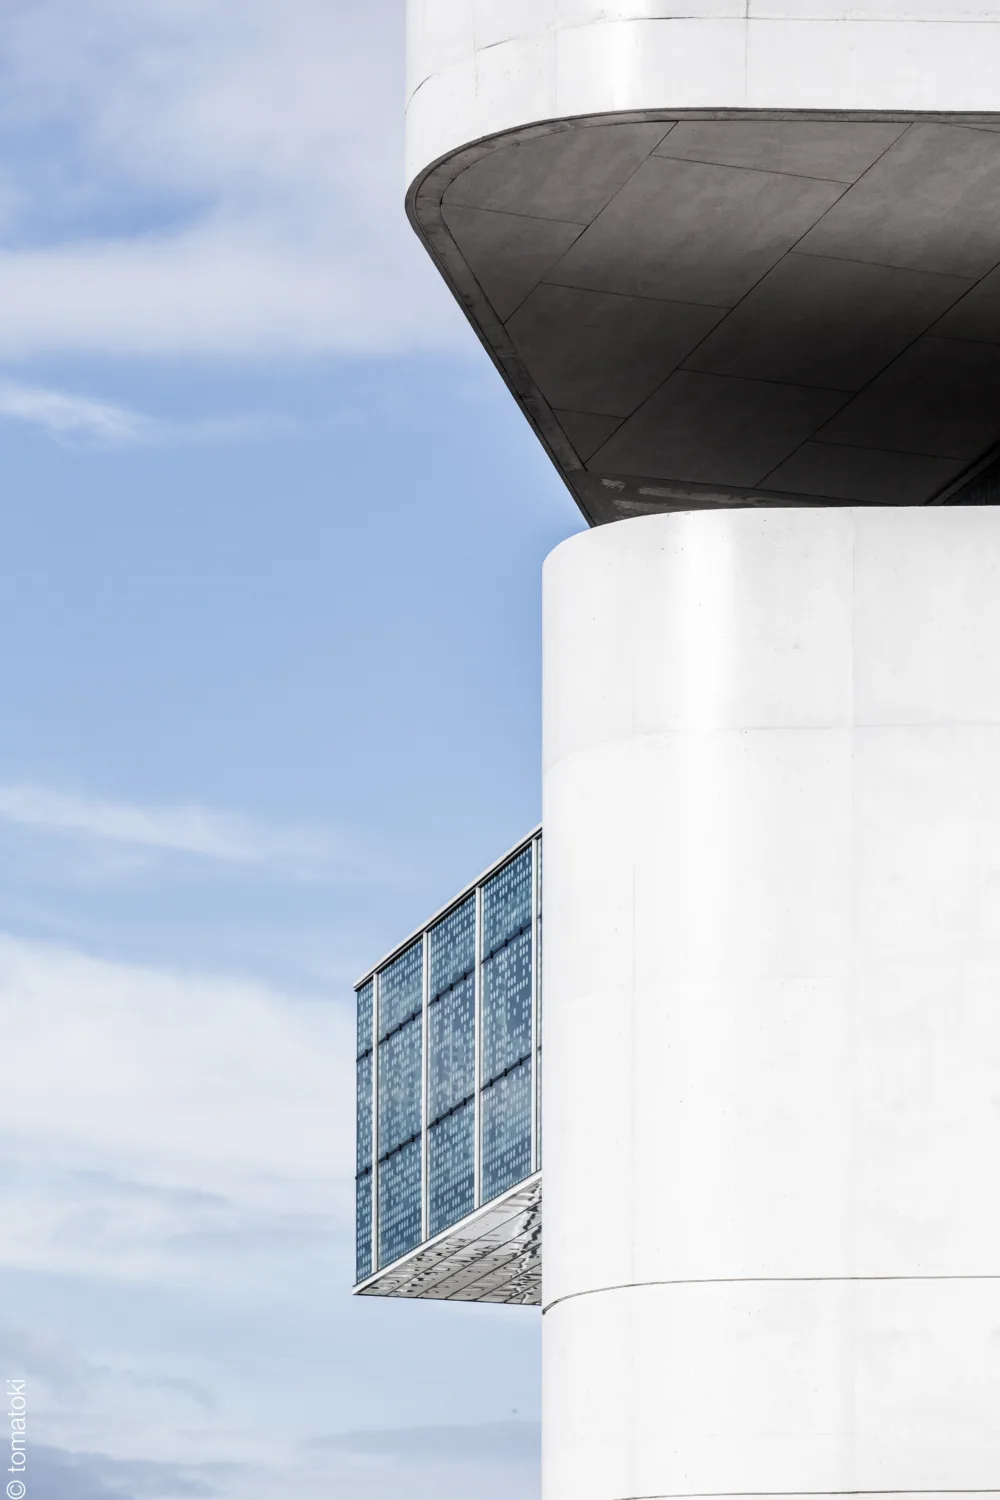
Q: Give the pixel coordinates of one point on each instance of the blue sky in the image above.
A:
(270, 541)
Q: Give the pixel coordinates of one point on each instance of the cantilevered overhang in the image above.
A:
(717, 308)
(492, 1255)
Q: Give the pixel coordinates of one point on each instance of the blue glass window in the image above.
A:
(453, 947)
(451, 1071)
(363, 1186)
(507, 902)
(506, 1024)
(451, 1016)
(538, 1008)
(399, 1207)
(364, 1140)
(538, 977)
(538, 1107)
(507, 1006)
(451, 1041)
(363, 1226)
(506, 1131)
(364, 1112)
(364, 998)
(451, 1168)
(399, 1087)
(401, 989)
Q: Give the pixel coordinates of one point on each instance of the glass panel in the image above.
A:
(538, 1127)
(400, 989)
(363, 1226)
(364, 997)
(364, 1135)
(451, 1027)
(507, 1006)
(538, 1022)
(399, 1086)
(453, 947)
(507, 901)
(450, 1168)
(538, 929)
(399, 1203)
(506, 1131)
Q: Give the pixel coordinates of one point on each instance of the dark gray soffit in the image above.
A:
(709, 309)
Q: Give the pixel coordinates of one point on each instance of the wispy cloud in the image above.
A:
(487, 1442)
(453, 1470)
(158, 1124)
(64, 415)
(61, 1475)
(222, 289)
(190, 829)
(222, 177)
(70, 1377)
(85, 421)
(165, 1138)
(176, 1154)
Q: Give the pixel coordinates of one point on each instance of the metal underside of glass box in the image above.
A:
(492, 1255)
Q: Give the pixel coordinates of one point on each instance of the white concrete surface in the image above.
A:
(476, 67)
(772, 1004)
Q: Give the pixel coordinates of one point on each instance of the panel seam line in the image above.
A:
(628, 1286)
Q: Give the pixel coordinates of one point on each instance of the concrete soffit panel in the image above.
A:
(717, 308)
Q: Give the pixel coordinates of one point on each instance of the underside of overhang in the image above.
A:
(710, 309)
(492, 1255)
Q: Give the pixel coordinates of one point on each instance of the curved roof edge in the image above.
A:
(709, 308)
(479, 67)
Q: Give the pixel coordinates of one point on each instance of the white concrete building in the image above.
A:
(738, 264)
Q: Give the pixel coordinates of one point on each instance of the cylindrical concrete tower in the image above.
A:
(772, 991)
(738, 262)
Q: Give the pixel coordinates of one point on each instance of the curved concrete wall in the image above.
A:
(476, 67)
(772, 1005)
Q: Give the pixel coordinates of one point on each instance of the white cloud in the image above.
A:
(98, 1476)
(85, 421)
(158, 1124)
(175, 1161)
(219, 289)
(62, 414)
(214, 177)
(495, 1442)
(462, 1463)
(189, 829)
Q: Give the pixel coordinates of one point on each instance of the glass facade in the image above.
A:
(506, 1130)
(365, 1051)
(451, 1168)
(451, 1068)
(399, 1207)
(508, 950)
(400, 1007)
(448, 1065)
